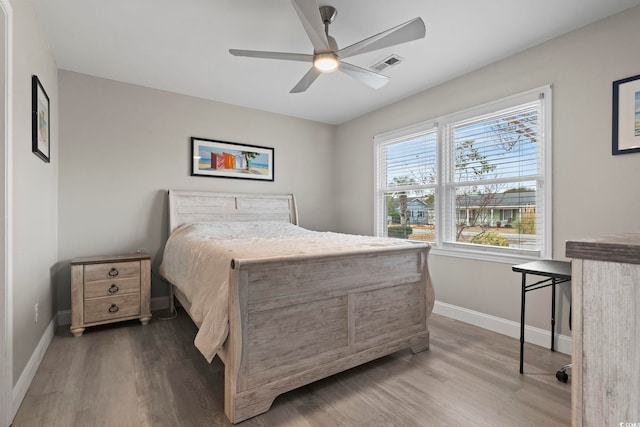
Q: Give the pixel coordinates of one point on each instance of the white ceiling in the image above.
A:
(182, 46)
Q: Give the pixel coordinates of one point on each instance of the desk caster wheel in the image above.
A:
(562, 376)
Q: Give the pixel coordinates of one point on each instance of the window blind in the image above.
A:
(495, 160)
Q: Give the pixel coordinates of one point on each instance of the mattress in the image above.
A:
(197, 260)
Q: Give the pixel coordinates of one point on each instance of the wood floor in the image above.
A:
(133, 375)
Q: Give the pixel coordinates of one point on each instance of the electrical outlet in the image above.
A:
(37, 312)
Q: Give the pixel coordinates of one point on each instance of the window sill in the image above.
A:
(484, 254)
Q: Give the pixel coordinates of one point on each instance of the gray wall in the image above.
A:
(122, 146)
(594, 192)
(35, 191)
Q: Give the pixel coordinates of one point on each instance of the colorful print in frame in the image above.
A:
(222, 159)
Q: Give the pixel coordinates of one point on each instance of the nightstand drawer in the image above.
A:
(113, 287)
(108, 308)
(113, 270)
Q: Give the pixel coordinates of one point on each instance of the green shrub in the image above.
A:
(490, 238)
(399, 231)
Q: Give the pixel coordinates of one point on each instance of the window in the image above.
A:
(480, 179)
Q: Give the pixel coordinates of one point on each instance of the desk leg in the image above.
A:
(524, 285)
(553, 313)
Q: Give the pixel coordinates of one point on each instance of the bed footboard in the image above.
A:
(296, 320)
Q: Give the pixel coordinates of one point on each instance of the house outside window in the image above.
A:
(475, 183)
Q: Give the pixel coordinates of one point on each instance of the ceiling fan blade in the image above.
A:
(367, 77)
(410, 30)
(272, 55)
(306, 81)
(309, 15)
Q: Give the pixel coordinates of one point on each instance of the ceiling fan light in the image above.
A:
(325, 62)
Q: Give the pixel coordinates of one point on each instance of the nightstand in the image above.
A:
(110, 289)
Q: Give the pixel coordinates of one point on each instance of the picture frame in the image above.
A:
(626, 116)
(223, 159)
(40, 121)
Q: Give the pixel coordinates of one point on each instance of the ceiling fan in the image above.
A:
(326, 56)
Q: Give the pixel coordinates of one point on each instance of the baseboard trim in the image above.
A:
(63, 317)
(24, 382)
(532, 334)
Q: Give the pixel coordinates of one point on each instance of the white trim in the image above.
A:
(547, 155)
(483, 254)
(24, 382)
(506, 327)
(63, 317)
(6, 335)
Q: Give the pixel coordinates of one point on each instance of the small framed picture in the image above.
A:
(40, 124)
(221, 159)
(626, 115)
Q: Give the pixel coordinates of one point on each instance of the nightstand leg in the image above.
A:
(77, 332)
(145, 320)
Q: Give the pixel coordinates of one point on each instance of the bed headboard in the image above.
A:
(194, 206)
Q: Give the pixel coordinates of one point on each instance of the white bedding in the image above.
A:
(197, 259)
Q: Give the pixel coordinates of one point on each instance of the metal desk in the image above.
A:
(555, 272)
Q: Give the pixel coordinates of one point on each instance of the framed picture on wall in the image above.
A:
(222, 159)
(40, 124)
(626, 115)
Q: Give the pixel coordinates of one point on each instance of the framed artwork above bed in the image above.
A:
(222, 159)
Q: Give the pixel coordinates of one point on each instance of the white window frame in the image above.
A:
(445, 202)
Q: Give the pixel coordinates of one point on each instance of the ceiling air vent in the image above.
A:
(389, 62)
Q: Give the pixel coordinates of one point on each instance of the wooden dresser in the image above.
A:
(606, 330)
(110, 289)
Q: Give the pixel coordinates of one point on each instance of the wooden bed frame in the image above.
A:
(295, 320)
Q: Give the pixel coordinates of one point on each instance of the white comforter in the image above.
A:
(197, 259)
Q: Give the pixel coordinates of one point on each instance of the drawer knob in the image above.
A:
(113, 308)
(113, 288)
(113, 272)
